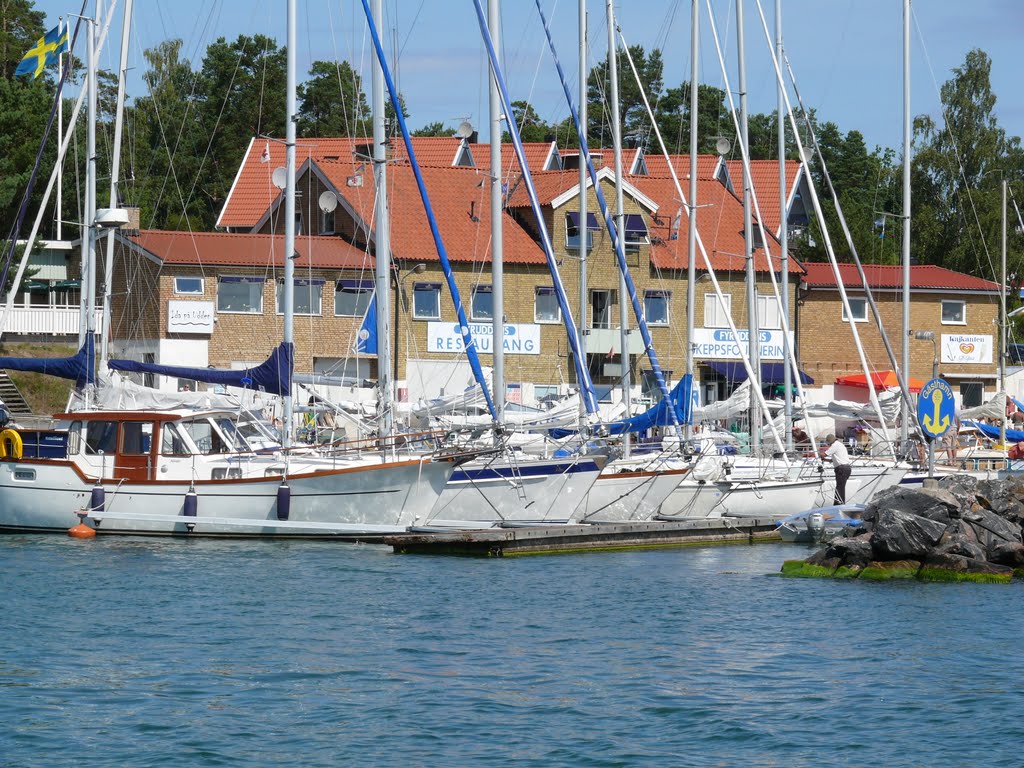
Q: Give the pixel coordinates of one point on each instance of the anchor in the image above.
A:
(937, 423)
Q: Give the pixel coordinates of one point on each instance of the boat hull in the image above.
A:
(621, 496)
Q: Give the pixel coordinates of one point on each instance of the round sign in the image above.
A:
(936, 409)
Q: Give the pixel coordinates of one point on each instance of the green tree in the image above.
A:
(332, 102)
(20, 26)
(531, 127)
(434, 129)
(633, 118)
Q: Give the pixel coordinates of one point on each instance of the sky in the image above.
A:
(846, 54)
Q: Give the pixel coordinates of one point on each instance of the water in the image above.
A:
(204, 653)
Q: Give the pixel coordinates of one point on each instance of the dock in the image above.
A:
(521, 540)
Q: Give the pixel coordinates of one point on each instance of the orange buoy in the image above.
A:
(82, 531)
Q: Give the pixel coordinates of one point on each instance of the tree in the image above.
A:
(672, 113)
(633, 118)
(20, 26)
(332, 102)
(531, 127)
(434, 129)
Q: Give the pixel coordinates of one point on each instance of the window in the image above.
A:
(954, 313)
(545, 307)
(240, 294)
(769, 314)
(546, 394)
(859, 308)
(572, 229)
(601, 308)
(483, 303)
(100, 437)
(717, 310)
(136, 437)
(352, 297)
(636, 231)
(171, 442)
(188, 286)
(308, 297)
(426, 301)
(326, 222)
(656, 307)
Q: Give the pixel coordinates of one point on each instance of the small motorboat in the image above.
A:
(820, 524)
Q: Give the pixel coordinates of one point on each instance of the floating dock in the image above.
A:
(519, 540)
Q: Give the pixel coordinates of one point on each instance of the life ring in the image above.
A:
(10, 437)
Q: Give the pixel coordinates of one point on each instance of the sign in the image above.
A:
(935, 408)
(720, 344)
(966, 348)
(190, 317)
(445, 338)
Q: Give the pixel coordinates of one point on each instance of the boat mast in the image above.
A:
(584, 229)
(497, 228)
(115, 175)
(88, 323)
(780, 124)
(382, 240)
(1002, 327)
(289, 216)
(691, 239)
(620, 221)
(748, 239)
(905, 411)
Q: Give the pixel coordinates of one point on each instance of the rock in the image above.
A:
(958, 568)
(1008, 553)
(962, 487)
(990, 529)
(900, 535)
(855, 551)
(955, 541)
(824, 559)
(996, 495)
(885, 570)
(935, 503)
(804, 570)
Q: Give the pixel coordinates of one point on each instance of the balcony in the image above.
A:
(45, 321)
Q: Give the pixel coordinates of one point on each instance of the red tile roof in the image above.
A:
(253, 191)
(460, 198)
(657, 165)
(248, 250)
(538, 154)
(764, 176)
(922, 276)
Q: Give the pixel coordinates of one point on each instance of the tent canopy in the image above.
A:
(771, 373)
(879, 380)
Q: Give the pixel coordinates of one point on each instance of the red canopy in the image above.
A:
(879, 380)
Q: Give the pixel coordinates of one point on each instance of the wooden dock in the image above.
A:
(514, 541)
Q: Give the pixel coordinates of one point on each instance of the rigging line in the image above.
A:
(961, 172)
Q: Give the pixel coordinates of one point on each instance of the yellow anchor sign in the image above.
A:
(936, 408)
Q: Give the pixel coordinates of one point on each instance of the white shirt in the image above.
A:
(838, 453)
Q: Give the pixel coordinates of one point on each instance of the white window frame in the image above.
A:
(712, 302)
(665, 296)
(250, 281)
(547, 291)
(861, 317)
(179, 292)
(481, 290)
(963, 312)
(422, 288)
(765, 303)
(311, 284)
(340, 288)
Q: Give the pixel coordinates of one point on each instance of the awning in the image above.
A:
(879, 380)
(574, 220)
(771, 373)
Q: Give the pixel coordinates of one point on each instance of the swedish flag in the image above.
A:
(45, 52)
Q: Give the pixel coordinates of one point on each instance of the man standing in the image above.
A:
(837, 452)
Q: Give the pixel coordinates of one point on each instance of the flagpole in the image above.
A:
(60, 141)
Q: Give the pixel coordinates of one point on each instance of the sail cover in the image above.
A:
(80, 367)
(273, 376)
(665, 413)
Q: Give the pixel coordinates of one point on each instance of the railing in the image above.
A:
(52, 321)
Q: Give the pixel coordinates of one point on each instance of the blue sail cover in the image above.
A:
(79, 368)
(677, 409)
(992, 430)
(273, 376)
(366, 340)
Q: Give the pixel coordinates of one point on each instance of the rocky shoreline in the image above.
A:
(962, 529)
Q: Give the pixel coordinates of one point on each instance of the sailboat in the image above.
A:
(192, 473)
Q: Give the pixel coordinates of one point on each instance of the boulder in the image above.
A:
(900, 535)
(932, 503)
(962, 487)
(851, 551)
(1008, 553)
(960, 540)
(995, 495)
(959, 568)
(990, 529)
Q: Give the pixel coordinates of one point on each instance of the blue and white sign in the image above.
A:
(936, 408)
(720, 344)
(445, 338)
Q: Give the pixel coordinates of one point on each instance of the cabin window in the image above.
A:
(717, 310)
(240, 294)
(188, 286)
(136, 438)
(426, 301)
(545, 306)
(308, 297)
(100, 437)
(171, 441)
(352, 297)
(769, 314)
(954, 312)
(75, 438)
(206, 438)
(859, 308)
(483, 303)
(656, 307)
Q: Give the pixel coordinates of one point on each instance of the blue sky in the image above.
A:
(846, 54)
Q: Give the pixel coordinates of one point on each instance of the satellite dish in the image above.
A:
(722, 146)
(328, 201)
(279, 177)
(465, 130)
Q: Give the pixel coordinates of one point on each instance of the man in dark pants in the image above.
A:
(837, 452)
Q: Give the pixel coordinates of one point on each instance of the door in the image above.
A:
(135, 451)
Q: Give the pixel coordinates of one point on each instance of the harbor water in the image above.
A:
(139, 652)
